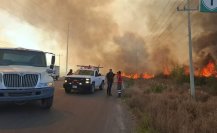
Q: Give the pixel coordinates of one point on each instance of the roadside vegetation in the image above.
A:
(164, 105)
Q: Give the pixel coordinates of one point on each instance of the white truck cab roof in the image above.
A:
(21, 49)
(24, 49)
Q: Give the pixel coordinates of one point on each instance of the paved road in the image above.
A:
(74, 113)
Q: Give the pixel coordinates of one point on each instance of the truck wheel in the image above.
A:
(101, 87)
(67, 90)
(47, 103)
(92, 90)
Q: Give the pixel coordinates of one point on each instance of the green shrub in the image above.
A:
(212, 85)
(144, 126)
(179, 76)
(200, 81)
(128, 83)
(157, 88)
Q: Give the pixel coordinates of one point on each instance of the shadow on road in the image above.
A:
(87, 94)
(27, 116)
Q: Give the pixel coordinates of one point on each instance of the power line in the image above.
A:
(160, 16)
(170, 16)
(167, 22)
(178, 26)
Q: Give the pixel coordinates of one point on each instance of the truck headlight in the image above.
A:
(87, 81)
(49, 84)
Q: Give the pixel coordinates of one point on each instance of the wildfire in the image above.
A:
(126, 75)
(147, 76)
(137, 76)
(186, 70)
(208, 70)
(166, 71)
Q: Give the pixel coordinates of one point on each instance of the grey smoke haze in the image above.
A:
(96, 37)
(132, 52)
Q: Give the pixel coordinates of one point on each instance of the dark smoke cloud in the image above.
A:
(90, 29)
(205, 44)
(205, 48)
(96, 38)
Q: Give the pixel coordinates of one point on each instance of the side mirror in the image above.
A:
(49, 71)
(52, 66)
(53, 60)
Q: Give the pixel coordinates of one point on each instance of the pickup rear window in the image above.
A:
(84, 72)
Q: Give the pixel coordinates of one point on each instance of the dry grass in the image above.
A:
(171, 110)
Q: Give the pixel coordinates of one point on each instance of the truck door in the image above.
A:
(97, 82)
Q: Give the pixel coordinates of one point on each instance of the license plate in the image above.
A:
(74, 87)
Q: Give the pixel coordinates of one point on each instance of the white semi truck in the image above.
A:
(25, 76)
(85, 79)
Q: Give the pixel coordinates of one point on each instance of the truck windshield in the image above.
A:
(84, 72)
(22, 57)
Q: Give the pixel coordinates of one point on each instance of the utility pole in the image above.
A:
(67, 48)
(189, 9)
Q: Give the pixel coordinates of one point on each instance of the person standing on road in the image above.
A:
(110, 79)
(119, 83)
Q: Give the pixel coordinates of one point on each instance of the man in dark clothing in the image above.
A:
(110, 79)
(70, 72)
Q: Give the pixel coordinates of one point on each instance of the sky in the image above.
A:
(133, 36)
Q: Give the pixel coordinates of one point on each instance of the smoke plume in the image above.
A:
(133, 36)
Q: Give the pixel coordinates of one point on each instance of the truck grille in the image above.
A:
(19, 94)
(16, 80)
(76, 80)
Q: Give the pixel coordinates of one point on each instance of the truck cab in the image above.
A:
(85, 79)
(25, 76)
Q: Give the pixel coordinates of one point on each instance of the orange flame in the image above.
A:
(137, 76)
(147, 76)
(166, 71)
(186, 70)
(126, 75)
(208, 70)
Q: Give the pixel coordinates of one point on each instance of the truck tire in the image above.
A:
(102, 85)
(92, 89)
(67, 90)
(57, 77)
(47, 103)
